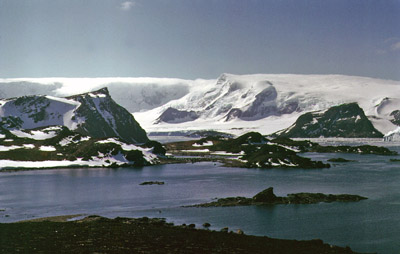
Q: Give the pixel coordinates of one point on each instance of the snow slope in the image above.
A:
(284, 98)
(232, 103)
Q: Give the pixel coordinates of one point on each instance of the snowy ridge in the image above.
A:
(134, 94)
(232, 103)
(271, 102)
(39, 111)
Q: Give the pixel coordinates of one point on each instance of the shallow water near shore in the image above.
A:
(371, 225)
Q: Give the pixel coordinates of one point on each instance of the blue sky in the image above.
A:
(198, 38)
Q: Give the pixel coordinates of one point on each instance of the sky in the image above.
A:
(198, 38)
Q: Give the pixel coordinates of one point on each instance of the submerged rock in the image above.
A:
(339, 160)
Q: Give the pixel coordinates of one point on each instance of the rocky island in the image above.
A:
(267, 197)
(253, 150)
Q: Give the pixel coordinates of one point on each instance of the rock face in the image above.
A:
(346, 120)
(94, 114)
(396, 117)
(105, 118)
(172, 115)
(266, 196)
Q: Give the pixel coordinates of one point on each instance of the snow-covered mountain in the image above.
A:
(269, 103)
(134, 94)
(94, 114)
(232, 103)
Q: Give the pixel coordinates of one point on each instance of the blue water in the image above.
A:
(372, 225)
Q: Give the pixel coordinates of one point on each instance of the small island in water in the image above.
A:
(267, 197)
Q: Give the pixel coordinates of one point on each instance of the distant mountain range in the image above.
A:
(267, 103)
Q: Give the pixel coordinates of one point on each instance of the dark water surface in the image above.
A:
(372, 225)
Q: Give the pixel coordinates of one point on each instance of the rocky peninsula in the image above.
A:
(96, 234)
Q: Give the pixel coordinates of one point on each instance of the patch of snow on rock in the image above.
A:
(9, 148)
(208, 143)
(36, 135)
(47, 148)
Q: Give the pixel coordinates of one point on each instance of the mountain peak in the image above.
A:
(100, 93)
(222, 78)
(103, 90)
(93, 114)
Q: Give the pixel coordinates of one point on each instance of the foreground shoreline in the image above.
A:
(94, 234)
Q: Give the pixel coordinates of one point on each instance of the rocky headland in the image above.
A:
(96, 234)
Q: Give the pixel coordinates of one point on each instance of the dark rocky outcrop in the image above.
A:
(172, 115)
(263, 106)
(153, 183)
(308, 146)
(363, 149)
(267, 197)
(233, 114)
(346, 120)
(105, 118)
(396, 117)
(158, 148)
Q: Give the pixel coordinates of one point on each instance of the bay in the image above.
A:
(372, 225)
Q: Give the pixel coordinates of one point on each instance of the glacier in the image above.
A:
(393, 135)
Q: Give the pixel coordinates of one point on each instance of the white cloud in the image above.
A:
(127, 5)
(381, 51)
(395, 46)
(390, 45)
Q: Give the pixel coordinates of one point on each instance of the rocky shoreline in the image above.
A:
(96, 234)
(267, 197)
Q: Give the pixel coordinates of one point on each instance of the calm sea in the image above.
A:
(372, 225)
